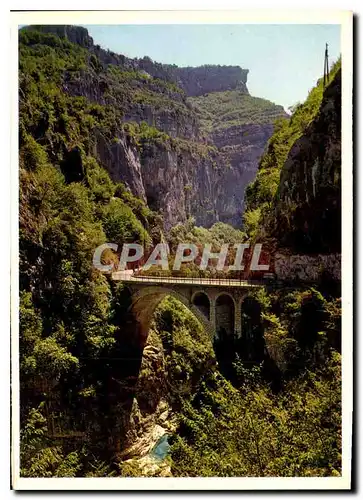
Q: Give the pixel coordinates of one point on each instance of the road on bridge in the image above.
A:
(128, 276)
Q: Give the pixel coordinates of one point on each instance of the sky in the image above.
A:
(284, 61)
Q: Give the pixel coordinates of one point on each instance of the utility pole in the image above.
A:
(326, 65)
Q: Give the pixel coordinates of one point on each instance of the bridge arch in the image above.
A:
(201, 300)
(225, 313)
(146, 300)
(218, 295)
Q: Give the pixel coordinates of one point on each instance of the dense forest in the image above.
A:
(94, 404)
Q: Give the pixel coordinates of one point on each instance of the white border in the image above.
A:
(245, 16)
(268, 16)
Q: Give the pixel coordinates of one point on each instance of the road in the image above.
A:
(128, 276)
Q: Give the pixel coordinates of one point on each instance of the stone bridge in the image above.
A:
(217, 303)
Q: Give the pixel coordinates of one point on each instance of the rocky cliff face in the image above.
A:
(243, 146)
(205, 79)
(309, 209)
(75, 34)
(177, 165)
(194, 81)
(239, 126)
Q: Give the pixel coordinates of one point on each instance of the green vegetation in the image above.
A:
(145, 137)
(143, 134)
(68, 310)
(138, 90)
(248, 431)
(54, 119)
(271, 407)
(220, 110)
(218, 235)
(187, 348)
(134, 77)
(245, 426)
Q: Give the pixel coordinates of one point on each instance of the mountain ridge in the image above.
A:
(196, 80)
(153, 139)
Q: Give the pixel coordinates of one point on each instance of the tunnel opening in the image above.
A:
(201, 301)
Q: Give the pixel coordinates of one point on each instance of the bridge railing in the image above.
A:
(266, 282)
(194, 280)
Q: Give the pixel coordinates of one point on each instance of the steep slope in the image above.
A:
(309, 207)
(155, 139)
(194, 81)
(295, 200)
(240, 126)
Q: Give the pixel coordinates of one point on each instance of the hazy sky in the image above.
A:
(284, 60)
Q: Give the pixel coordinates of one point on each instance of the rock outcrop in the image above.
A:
(75, 34)
(309, 268)
(151, 416)
(309, 207)
(205, 79)
(242, 146)
(194, 81)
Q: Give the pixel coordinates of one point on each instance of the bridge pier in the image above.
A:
(238, 320)
(212, 317)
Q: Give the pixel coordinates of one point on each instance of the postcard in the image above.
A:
(181, 298)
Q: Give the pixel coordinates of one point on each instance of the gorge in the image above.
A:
(114, 149)
(185, 140)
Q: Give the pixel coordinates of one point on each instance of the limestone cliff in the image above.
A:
(309, 207)
(295, 201)
(75, 34)
(209, 78)
(194, 81)
(178, 165)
